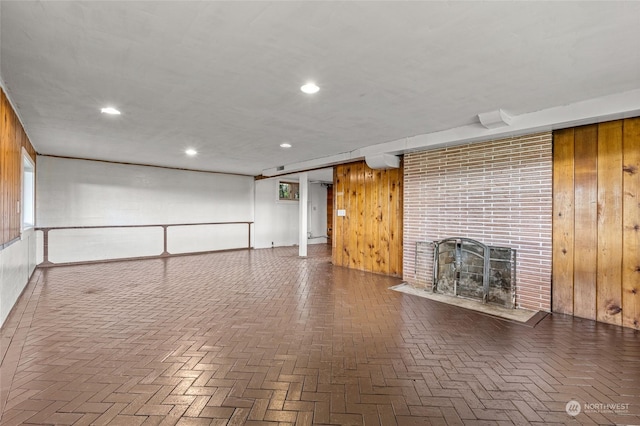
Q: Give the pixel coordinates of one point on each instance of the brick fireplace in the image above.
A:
(498, 193)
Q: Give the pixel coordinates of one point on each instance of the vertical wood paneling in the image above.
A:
(370, 237)
(360, 207)
(369, 220)
(330, 209)
(338, 228)
(345, 219)
(350, 222)
(17, 171)
(375, 222)
(631, 224)
(586, 214)
(383, 221)
(395, 233)
(609, 274)
(3, 172)
(8, 176)
(13, 175)
(396, 179)
(387, 221)
(338, 222)
(563, 218)
(606, 249)
(12, 139)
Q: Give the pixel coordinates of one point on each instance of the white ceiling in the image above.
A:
(224, 77)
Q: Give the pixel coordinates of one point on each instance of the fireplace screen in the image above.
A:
(467, 268)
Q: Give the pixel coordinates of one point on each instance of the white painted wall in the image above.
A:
(82, 245)
(318, 212)
(189, 239)
(303, 214)
(82, 193)
(17, 263)
(91, 193)
(277, 221)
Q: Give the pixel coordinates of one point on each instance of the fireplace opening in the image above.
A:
(467, 268)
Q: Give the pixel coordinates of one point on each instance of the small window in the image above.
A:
(289, 191)
(28, 192)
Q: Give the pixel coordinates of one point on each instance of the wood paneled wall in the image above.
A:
(12, 140)
(369, 237)
(596, 222)
(329, 213)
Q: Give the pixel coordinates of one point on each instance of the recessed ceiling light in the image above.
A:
(191, 152)
(285, 145)
(110, 111)
(310, 88)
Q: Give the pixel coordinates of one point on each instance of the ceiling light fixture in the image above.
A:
(310, 88)
(285, 145)
(110, 111)
(191, 152)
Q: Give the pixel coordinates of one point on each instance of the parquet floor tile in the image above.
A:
(265, 338)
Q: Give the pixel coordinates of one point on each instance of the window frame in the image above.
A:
(27, 168)
(296, 191)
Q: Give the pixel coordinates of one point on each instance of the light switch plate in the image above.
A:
(342, 212)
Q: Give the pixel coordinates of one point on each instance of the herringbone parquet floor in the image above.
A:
(263, 337)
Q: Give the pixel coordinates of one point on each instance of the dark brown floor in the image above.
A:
(262, 337)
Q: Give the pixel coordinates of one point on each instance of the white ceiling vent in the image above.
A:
(382, 161)
(495, 119)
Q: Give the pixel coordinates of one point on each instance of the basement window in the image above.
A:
(288, 191)
(28, 192)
